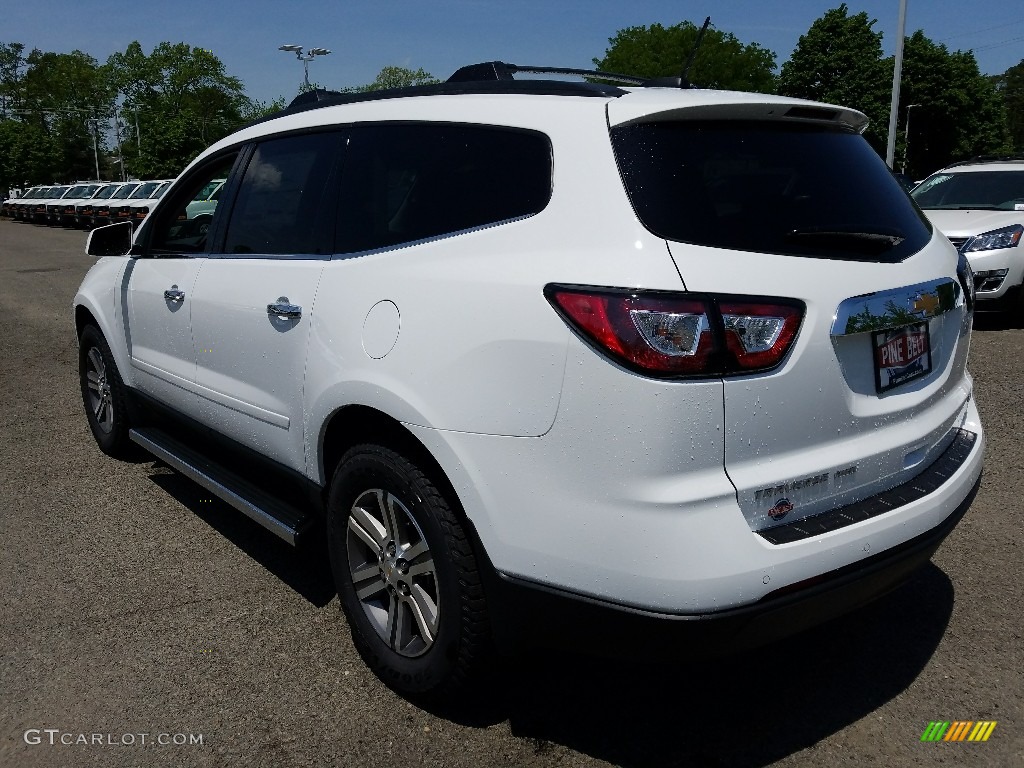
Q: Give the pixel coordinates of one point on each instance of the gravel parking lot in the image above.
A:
(135, 610)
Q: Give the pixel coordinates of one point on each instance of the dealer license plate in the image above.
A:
(901, 355)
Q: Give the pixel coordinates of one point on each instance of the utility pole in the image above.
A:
(906, 137)
(96, 146)
(120, 149)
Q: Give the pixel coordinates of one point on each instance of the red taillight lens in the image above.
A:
(653, 334)
(681, 334)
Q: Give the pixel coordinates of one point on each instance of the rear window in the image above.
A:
(768, 187)
(976, 190)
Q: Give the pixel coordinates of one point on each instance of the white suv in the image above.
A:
(551, 359)
(979, 205)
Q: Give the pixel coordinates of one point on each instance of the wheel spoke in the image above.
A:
(93, 380)
(393, 620)
(422, 567)
(97, 361)
(417, 549)
(391, 515)
(97, 408)
(365, 572)
(424, 611)
(363, 524)
(405, 625)
(373, 586)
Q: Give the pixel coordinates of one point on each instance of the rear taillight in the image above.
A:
(681, 334)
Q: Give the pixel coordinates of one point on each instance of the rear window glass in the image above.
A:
(976, 190)
(780, 188)
(408, 182)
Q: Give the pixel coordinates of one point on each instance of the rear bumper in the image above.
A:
(528, 614)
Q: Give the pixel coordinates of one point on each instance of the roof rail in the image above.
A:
(487, 77)
(321, 98)
(500, 70)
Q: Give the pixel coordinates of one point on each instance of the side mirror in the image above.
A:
(111, 240)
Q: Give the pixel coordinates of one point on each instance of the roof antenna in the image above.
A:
(684, 81)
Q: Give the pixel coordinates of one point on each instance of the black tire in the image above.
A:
(375, 492)
(103, 393)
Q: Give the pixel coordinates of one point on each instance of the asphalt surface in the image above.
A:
(135, 609)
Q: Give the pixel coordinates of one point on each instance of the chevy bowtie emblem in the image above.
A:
(926, 303)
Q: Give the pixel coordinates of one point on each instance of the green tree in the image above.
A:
(255, 109)
(400, 77)
(49, 106)
(392, 77)
(175, 102)
(12, 62)
(839, 61)
(68, 93)
(25, 155)
(1010, 86)
(722, 61)
(961, 113)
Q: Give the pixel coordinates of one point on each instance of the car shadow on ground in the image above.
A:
(748, 709)
(306, 569)
(998, 321)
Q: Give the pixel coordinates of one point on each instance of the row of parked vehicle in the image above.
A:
(86, 204)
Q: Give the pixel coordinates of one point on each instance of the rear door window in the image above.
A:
(768, 187)
(283, 201)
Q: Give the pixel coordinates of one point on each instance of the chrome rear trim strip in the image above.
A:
(897, 307)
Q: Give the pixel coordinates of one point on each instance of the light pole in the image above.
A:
(897, 73)
(305, 59)
(906, 136)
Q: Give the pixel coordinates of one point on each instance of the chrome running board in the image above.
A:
(277, 517)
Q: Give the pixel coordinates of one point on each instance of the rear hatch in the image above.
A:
(772, 200)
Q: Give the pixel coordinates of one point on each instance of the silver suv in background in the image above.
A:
(979, 205)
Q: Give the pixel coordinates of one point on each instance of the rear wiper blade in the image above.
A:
(870, 242)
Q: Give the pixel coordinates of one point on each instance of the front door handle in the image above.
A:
(174, 295)
(283, 310)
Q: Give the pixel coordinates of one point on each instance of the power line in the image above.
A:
(1004, 25)
(998, 45)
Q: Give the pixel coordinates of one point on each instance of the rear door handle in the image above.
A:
(175, 296)
(283, 310)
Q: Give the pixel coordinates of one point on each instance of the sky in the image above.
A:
(442, 35)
